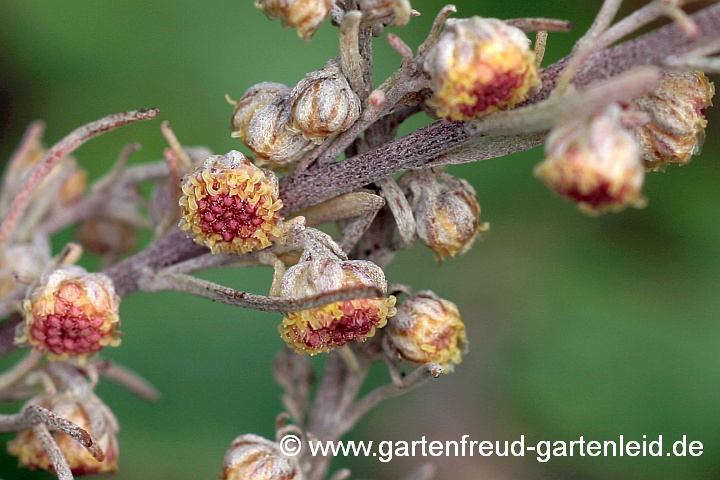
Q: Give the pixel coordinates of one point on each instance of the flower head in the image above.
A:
(446, 210)
(70, 313)
(230, 205)
(478, 66)
(332, 326)
(595, 163)
(677, 123)
(426, 329)
(323, 104)
(102, 428)
(305, 15)
(252, 457)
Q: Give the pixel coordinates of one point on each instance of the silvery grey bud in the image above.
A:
(305, 15)
(253, 99)
(323, 104)
(389, 12)
(446, 211)
(270, 138)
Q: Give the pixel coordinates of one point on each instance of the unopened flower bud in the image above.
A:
(596, 163)
(426, 329)
(332, 326)
(70, 313)
(323, 104)
(270, 137)
(74, 187)
(305, 15)
(252, 457)
(104, 236)
(389, 12)
(254, 98)
(230, 205)
(23, 261)
(676, 130)
(478, 66)
(446, 212)
(100, 424)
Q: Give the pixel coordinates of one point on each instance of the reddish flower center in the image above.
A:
(229, 215)
(443, 340)
(496, 92)
(353, 325)
(596, 198)
(69, 330)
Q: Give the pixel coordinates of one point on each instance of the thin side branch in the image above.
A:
(228, 296)
(58, 151)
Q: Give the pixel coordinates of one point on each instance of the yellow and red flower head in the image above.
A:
(31, 453)
(326, 328)
(478, 66)
(596, 163)
(426, 329)
(676, 129)
(230, 205)
(70, 313)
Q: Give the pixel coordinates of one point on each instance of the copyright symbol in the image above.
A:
(290, 445)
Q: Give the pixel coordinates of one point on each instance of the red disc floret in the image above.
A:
(69, 330)
(354, 324)
(496, 92)
(229, 215)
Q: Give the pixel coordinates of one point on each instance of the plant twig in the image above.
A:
(56, 153)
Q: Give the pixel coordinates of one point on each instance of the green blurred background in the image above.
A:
(578, 326)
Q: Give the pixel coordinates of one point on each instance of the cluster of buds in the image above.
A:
(426, 329)
(304, 15)
(478, 66)
(332, 326)
(596, 163)
(230, 205)
(70, 313)
(252, 457)
(280, 124)
(92, 416)
(446, 211)
(677, 124)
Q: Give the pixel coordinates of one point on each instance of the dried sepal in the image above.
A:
(304, 15)
(92, 416)
(595, 163)
(230, 205)
(478, 66)
(323, 104)
(70, 313)
(426, 329)
(676, 130)
(252, 457)
(323, 329)
(446, 211)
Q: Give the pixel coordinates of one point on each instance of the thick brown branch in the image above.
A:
(420, 148)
